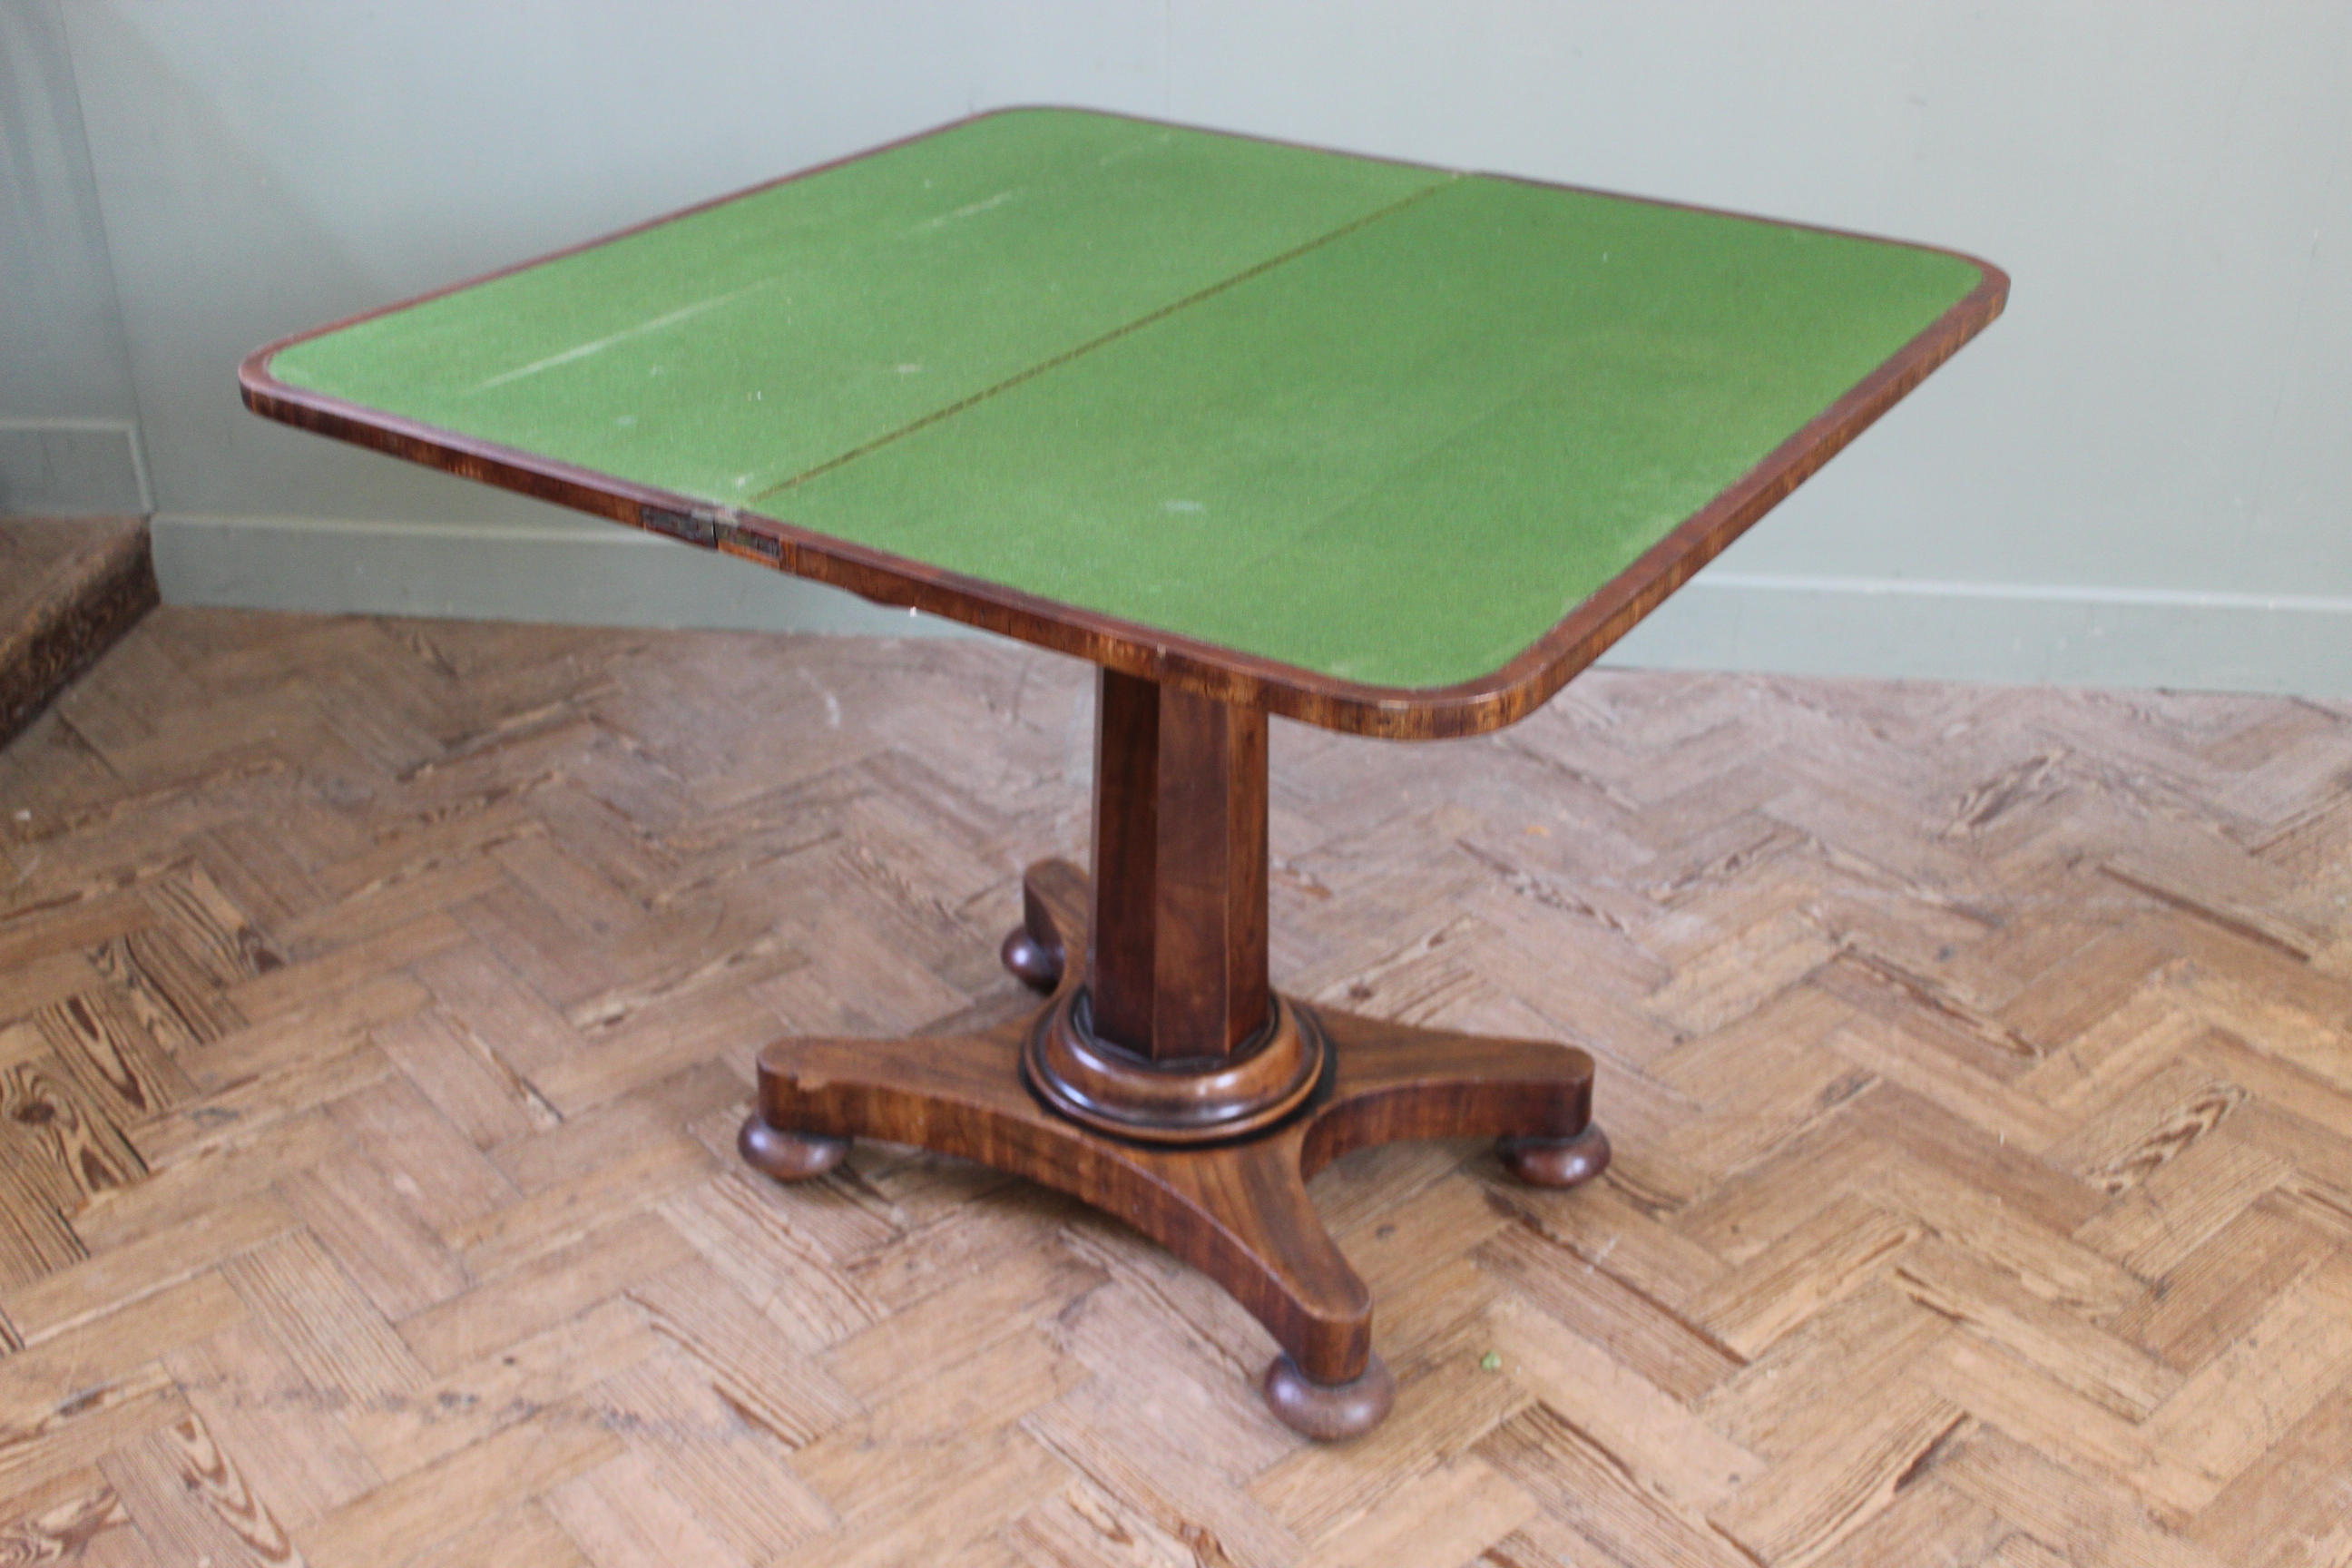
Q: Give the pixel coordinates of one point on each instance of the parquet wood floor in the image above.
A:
(377, 1002)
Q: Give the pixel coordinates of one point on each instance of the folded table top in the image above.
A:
(1382, 447)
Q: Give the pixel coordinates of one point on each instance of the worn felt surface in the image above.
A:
(1380, 422)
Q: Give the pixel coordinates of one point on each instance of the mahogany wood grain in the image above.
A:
(1174, 1036)
(1179, 933)
(1126, 903)
(788, 1156)
(1328, 1411)
(1555, 1162)
(1195, 1100)
(1053, 910)
(1209, 978)
(1237, 1210)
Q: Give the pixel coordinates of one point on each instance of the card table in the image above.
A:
(1256, 429)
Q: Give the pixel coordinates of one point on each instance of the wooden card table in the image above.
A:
(1256, 429)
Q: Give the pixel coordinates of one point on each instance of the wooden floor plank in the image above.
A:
(376, 1006)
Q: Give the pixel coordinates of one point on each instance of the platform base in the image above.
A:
(1236, 1210)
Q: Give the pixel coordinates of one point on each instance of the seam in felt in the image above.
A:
(1123, 329)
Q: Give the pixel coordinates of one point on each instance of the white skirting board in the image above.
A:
(596, 573)
(588, 574)
(2004, 633)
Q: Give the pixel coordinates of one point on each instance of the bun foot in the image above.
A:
(1036, 964)
(787, 1156)
(1328, 1411)
(1555, 1162)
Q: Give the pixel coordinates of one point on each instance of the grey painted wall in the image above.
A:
(68, 415)
(2136, 477)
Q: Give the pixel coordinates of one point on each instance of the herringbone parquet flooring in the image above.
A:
(376, 1006)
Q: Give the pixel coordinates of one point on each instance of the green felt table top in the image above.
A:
(1380, 422)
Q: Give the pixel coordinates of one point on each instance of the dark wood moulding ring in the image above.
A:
(1116, 1091)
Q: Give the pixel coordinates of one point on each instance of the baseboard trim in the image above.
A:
(593, 574)
(2007, 633)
